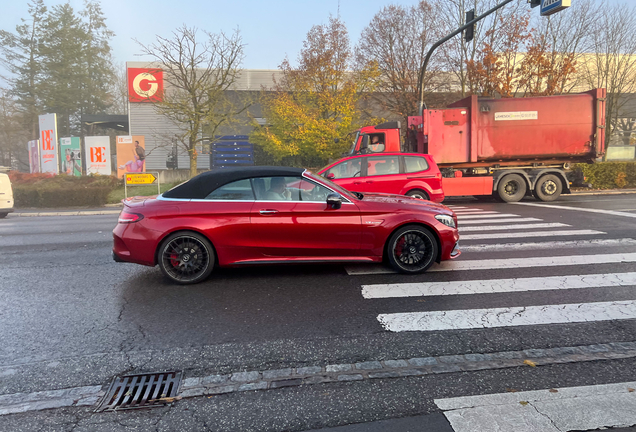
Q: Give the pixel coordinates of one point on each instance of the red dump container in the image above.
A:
(472, 131)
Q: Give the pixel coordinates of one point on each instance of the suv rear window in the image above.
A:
(414, 164)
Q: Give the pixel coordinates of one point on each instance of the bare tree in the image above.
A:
(566, 36)
(119, 90)
(612, 63)
(197, 75)
(396, 42)
(456, 52)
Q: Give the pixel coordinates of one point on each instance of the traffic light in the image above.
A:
(534, 3)
(469, 33)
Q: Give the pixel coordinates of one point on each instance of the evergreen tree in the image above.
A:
(21, 59)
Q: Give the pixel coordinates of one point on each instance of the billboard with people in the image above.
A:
(131, 154)
(70, 157)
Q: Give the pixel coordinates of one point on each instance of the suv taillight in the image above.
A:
(129, 217)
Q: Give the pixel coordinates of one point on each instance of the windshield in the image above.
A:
(342, 191)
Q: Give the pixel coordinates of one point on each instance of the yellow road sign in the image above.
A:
(140, 178)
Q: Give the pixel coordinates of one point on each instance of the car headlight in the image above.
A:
(446, 220)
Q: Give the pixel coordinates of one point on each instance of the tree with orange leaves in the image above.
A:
(519, 63)
(314, 105)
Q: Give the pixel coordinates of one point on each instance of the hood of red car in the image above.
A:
(405, 200)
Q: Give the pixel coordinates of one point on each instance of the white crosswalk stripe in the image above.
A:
(487, 216)
(565, 244)
(515, 227)
(582, 408)
(491, 221)
(509, 316)
(512, 227)
(424, 289)
(510, 235)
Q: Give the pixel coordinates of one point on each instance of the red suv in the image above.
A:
(412, 174)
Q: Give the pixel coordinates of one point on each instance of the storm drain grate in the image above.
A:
(141, 391)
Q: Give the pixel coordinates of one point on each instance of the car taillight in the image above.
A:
(129, 217)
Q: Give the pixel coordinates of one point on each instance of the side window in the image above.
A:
(240, 190)
(310, 191)
(347, 169)
(376, 143)
(383, 165)
(415, 164)
(277, 188)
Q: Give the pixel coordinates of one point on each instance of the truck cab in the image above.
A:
(383, 138)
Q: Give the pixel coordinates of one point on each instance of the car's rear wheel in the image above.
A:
(412, 249)
(419, 194)
(3, 215)
(186, 257)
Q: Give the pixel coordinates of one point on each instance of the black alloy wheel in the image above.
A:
(412, 249)
(418, 193)
(548, 188)
(186, 257)
(512, 188)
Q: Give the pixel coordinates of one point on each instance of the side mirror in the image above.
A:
(334, 201)
(331, 176)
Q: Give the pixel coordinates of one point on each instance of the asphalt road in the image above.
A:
(72, 317)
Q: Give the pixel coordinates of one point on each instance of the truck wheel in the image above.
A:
(512, 188)
(548, 188)
(419, 194)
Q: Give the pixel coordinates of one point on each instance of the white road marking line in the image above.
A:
(547, 245)
(508, 263)
(528, 234)
(588, 210)
(457, 207)
(474, 212)
(500, 215)
(554, 410)
(489, 286)
(490, 221)
(513, 227)
(508, 316)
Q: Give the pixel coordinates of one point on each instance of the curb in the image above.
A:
(68, 213)
(211, 385)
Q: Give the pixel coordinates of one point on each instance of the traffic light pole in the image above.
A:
(441, 41)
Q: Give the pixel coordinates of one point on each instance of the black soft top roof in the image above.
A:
(200, 186)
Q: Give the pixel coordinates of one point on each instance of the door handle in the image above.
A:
(369, 181)
(268, 212)
(358, 182)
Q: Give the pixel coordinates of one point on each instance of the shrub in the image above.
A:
(46, 190)
(609, 175)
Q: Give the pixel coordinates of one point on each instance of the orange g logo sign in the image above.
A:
(145, 85)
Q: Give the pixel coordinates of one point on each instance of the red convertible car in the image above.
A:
(265, 215)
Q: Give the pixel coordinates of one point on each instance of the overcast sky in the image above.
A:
(270, 30)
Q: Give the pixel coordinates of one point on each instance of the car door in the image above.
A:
(302, 225)
(382, 175)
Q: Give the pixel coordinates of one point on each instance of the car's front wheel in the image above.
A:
(186, 257)
(3, 215)
(412, 249)
(418, 193)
